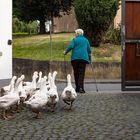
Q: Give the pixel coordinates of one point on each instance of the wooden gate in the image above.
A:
(131, 45)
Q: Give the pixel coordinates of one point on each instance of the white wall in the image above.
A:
(5, 34)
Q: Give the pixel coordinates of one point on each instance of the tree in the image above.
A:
(42, 10)
(95, 16)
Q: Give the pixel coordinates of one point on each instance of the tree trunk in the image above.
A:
(42, 27)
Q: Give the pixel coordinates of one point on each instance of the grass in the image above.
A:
(107, 52)
(37, 47)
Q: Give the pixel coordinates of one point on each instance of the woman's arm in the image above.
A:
(70, 46)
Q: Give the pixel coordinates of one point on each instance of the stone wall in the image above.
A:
(101, 70)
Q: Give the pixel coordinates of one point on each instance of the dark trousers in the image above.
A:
(79, 73)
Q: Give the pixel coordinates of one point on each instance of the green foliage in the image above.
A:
(32, 27)
(42, 10)
(21, 26)
(95, 16)
(113, 35)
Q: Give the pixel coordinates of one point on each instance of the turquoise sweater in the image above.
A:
(80, 48)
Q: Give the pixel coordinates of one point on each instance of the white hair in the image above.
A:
(79, 31)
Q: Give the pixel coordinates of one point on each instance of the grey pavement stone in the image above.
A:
(96, 116)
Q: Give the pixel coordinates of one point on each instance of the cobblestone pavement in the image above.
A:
(94, 116)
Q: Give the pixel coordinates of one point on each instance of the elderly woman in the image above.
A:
(80, 57)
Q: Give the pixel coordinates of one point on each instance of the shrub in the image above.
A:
(21, 26)
(94, 17)
(113, 35)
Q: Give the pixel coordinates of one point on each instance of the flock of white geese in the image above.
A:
(40, 92)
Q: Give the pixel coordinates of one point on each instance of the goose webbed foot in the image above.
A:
(71, 105)
(6, 116)
(53, 107)
(66, 102)
(38, 115)
(9, 117)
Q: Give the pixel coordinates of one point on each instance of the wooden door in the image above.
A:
(131, 45)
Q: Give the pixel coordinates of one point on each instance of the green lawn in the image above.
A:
(37, 47)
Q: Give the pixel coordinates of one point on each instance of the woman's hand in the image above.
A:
(64, 52)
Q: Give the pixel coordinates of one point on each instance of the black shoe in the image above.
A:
(77, 89)
(81, 90)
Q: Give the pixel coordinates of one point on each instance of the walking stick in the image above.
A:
(94, 76)
(65, 67)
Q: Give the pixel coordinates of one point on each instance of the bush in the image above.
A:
(95, 16)
(113, 35)
(21, 26)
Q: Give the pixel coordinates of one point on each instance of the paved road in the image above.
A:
(95, 116)
(91, 87)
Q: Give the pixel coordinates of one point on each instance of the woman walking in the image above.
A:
(80, 57)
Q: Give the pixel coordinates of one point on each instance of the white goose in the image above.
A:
(30, 89)
(38, 82)
(42, 87)
(6, 89)
(54, 77)
(48, 83)
(69, 94)
(27, 83)
(39, 99)
(54, 98)
(12, 98)
(21, 91)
